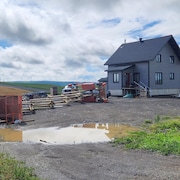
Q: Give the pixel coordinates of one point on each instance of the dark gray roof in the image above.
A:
(139, 51)
(103, 79)
(119, 68)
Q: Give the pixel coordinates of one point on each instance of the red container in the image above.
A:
(89, 99)
(88, 86)
(10, 108)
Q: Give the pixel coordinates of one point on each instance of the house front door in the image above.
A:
(127, 79)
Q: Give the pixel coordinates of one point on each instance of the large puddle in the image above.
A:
(74, 134)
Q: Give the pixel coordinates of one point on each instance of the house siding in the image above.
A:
(115, 88)
(166, 68)
(143, 69)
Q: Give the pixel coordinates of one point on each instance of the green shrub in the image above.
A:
(157, 118)
(173, 124)
(10, 169)
(148, 121)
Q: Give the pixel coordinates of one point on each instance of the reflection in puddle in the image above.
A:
(75, 134)
(69, 135)
(115, 130)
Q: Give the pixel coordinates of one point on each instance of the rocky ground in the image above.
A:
(98, 160)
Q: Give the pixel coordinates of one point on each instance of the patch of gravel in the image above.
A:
(100, 160)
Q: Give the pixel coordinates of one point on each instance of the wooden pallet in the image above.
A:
(51, 101)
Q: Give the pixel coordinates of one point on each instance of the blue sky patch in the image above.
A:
(177, 39)
(151, 24)
(92, 69)
(139, 32)
(104, 58)
(112, 22)
(86, 77)
(105, 23)
(4, 44)
(136, 33)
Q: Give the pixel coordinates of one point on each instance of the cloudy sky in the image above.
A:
(70, 40)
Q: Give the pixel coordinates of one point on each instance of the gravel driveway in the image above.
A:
(96, 161)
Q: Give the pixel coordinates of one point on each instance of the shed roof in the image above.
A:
(142, 50)
(103, 79)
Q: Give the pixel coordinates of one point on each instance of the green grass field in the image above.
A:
(162, 135)
(32, 86)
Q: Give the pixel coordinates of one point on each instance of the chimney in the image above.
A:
(140, 40)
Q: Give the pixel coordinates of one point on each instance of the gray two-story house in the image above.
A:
(151, 65)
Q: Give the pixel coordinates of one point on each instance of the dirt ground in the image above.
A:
(4, 90)
(98, 161)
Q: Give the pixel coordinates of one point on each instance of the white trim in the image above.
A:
(156, 92)
(116, 92)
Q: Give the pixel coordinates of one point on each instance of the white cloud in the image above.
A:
(71, 39)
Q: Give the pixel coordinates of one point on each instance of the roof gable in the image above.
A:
(143, 50)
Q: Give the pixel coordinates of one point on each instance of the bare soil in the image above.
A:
(99, 161)
(4, 91)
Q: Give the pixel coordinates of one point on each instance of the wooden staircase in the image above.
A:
(142, 89)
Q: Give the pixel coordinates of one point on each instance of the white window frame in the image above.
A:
(171, 76)
(171, 59)
(158, 78)
(158, 58)
(115, 77)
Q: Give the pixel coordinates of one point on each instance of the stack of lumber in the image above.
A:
(51, 101)
(27, 107)
(65, 99)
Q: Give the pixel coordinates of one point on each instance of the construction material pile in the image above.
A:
(85, 92)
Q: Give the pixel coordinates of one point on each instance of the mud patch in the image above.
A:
(10, 135)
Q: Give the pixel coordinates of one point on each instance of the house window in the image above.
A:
(158, 58)
(115, 77)
(171, 59)
(158, 78)
(171, 76)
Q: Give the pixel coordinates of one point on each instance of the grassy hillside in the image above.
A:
(31, 86)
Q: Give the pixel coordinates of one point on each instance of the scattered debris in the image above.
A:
(17, 121)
